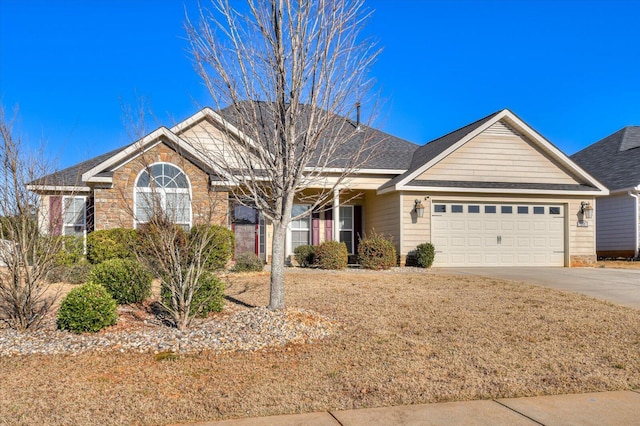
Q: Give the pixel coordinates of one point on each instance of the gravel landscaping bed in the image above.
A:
(237, 329)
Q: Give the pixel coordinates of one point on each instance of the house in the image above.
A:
(615, 161)
(495, 192)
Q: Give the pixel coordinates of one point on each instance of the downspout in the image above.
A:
(635, 195)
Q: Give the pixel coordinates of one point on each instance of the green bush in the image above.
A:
(162, 246)
(425, 253)
(125, 279)
(117, 243)
(376, 252)
(305, 255)
(332, 255)
(248, 262)
(209, 297)
(77, 273)
(89, 307)
(220, 246)
(71, 251)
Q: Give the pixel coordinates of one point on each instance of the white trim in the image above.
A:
(163, 193)
(491, 190)
(352, 229)
(59, 188)
(290, 229)
(625, 190)
(634, 194)
(84, 218)
(358, 171)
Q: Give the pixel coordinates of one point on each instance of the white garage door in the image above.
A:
(485, 234)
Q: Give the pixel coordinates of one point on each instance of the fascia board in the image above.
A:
(500, 190)
(59, 188)
(452, 148)
(358, 171)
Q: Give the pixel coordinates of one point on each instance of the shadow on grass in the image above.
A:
(239, 302)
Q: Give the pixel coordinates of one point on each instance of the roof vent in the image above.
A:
(358, 128)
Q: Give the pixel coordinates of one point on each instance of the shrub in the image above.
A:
(220, 246)
(332, 255)
(305, 255)
(425, 253)
(162, 246)
(125, 279)
(87, 308)
(208, 297)
(71, 251)
(117, 243)
(248, 262)
(73, 274)
(376, 252)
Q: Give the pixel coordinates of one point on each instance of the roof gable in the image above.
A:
(470, 156)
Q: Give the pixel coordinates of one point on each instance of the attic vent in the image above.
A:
(501, 128)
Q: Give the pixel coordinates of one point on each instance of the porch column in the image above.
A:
(336, 214)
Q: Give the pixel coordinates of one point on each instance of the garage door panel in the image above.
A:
(485, 238)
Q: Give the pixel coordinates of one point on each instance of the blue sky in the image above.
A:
(571, 69)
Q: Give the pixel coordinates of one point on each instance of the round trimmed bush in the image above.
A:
(117, 243)
(425, 253)
(248, 262)
(209, 297)
(305, 255)
(332, 255)
(89, 307)
(125, 279)
(220, 245)
(376, 252)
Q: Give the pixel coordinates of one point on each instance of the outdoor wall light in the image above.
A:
(418, 208)
(586, 209)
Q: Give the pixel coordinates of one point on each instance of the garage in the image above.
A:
(498, 234)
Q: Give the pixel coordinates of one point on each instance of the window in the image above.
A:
(523, 210)
(489, 209)
(300, 228)
(474, 209)
(164, 188)
(506, 209)
(439, 208)
(74, 216)
(538, 210)
(554, 210)
(346, 227)
(456, 208)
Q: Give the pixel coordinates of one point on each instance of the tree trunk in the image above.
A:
(276, 297)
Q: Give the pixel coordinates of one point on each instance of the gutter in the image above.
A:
(634, 193)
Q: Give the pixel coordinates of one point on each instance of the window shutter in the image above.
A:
(357, 227)
(55, 215)
(315, 228)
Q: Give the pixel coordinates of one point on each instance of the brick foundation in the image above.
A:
(584, 260)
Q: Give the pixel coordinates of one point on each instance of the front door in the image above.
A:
(246, 227)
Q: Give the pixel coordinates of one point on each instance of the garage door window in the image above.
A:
(489, 209)
(554, 210)
(474, 209)
(439, 208)
(456, 208)
(538, 210)
(506, 209)
(523, 210)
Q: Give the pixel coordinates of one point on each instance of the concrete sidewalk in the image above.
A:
(620, 408)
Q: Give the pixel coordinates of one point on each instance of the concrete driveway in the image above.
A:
(620, 286)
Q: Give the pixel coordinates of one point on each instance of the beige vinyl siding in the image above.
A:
(382, 214)
(206, 137)
(582, 240)
(415, 230)
(616, 222)
(499, 154)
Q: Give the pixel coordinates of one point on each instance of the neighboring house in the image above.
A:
(615, 161)
(496, 193)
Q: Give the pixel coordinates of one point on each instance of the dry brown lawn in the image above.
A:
(404, 338)
(619, 264)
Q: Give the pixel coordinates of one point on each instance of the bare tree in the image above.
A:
(27, 256)
(285, 73)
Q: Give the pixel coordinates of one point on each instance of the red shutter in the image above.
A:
(55, 215)
(315, 228)
(328, 225)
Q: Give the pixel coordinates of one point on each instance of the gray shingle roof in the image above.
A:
(614, 160)
(432, 149)
(72, 176)
(390, 152)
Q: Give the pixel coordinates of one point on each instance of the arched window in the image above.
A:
(163, 188)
